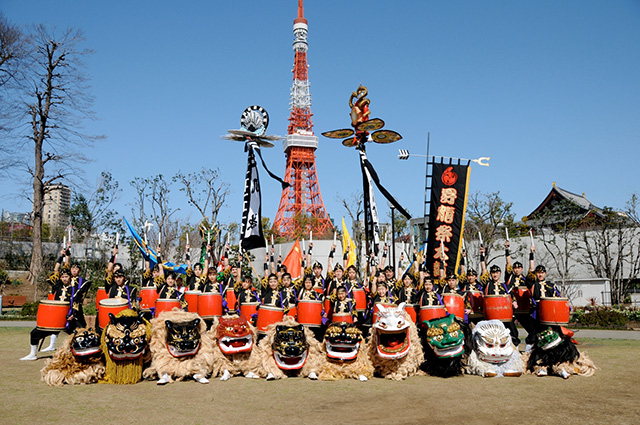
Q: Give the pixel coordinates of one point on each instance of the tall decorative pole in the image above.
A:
(301, 208)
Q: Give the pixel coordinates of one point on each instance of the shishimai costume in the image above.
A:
(180, 348)
(446, 343)
(123, 343)
(289, 349)
(78, 361)
(346, 354)
(556, 353)
(394, 344)
(493, 351)
(235, 347)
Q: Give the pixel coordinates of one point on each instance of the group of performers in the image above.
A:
(342, 296)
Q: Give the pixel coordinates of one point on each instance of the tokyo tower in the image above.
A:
(301, 208)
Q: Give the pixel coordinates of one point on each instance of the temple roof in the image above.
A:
(558, 194)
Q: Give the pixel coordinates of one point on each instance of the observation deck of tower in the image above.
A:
(301, 208)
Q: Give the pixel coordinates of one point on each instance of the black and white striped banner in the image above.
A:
(251, 233)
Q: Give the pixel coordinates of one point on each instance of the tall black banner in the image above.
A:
(449, 186)
(251, 233)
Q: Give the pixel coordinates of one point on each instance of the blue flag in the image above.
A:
(153, 257)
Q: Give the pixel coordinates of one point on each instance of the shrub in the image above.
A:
(29, 309)
(602, 317)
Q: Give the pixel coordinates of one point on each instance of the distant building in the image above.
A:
(16, 217)
(57, 200)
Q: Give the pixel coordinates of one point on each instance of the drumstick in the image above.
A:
(507, 232)
(117, 238)
(531, 236)
(480, 237)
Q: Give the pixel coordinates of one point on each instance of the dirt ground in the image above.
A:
(612, 395)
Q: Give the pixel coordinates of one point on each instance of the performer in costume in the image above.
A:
(407, 293)
(471, 282)
(117, 286)
(338, 280)
(318, 279)
(452, 285)
(272, 296)
(344, 304)
(246, 294)
(308, 292)
(289, 291)
(166, 287)
(63, 289)
(427, 296)
(513, 275)
(194, 272)
(497, 287)
(541, 288)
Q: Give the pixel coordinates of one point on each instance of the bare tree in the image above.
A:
(557, 227)
(611, 249)
(57, 102)
(152, 204)
(488, 215)
(207, 194)
(13, 60)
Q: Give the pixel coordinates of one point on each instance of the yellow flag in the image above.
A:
(348, 245)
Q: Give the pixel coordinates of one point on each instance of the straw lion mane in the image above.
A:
(268, 366)
(227, 365)
(360, 368)
(66, 368)
(395, 366)
(178, 368)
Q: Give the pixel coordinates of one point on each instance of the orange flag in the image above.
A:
(293, 262)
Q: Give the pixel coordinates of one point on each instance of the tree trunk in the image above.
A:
(36, 216)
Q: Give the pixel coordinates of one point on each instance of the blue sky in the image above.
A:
(549, 90)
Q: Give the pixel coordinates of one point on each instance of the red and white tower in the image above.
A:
(301, 208)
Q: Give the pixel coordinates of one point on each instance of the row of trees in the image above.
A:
(570, 242)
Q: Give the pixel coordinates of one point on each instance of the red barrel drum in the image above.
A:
(554, 311)
(360, 299)
(148, 297)
(432, 312)
(267, 315)
(110, 305)
(166, 304)
(498, 307)
(230, 297)
(523, 298)
(310, 312)
(249, 309)
(191, 297)
(454, 304)
(476, 299)
(293, 312)
(210, 305)
(412, 311)
(52, 315)
(342, 317)
(101, 294)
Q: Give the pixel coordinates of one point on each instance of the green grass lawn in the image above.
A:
(612, 396)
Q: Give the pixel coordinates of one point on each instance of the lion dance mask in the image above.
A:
(444, 346)
(289, 349)
(394, 348)
(556, 353)
(493, 352)
(346, 355)
(235, 349)
(77, 361)
(124, 342)
(180, 348)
